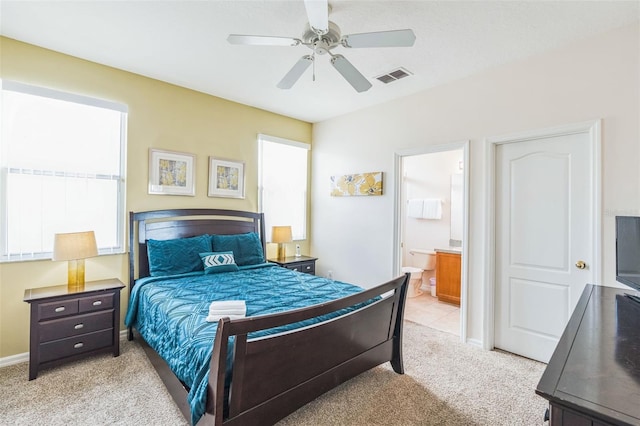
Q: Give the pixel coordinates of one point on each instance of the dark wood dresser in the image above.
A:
(304, 264)
(593, 377)
(71, 323)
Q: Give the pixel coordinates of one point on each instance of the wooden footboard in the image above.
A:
(275, 375)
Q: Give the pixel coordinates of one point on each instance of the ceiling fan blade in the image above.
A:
(396, 38)
(262, 40)
(350, 73)
(294, 73)
(318, 14)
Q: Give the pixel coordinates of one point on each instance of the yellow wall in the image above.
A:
(161, 116)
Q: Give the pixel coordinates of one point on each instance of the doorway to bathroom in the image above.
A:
(431, 201)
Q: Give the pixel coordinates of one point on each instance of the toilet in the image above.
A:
(425, 264)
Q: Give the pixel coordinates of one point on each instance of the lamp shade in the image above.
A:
(74, 245)
(281, 234)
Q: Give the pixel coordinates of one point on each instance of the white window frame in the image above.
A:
(268, 221)
(8, 85)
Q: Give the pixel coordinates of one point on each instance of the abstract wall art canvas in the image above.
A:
(356, 184)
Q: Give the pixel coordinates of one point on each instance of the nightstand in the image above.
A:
(68, 324)
(304, 264)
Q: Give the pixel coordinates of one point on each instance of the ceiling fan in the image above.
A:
(322, 36)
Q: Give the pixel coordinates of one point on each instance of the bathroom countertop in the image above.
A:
(452, 250)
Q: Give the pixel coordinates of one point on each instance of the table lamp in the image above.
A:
(281, 235)
(75, 247)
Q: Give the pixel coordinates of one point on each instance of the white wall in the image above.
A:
(595, 78)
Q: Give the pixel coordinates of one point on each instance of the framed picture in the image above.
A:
(226, 178)
(171, 173)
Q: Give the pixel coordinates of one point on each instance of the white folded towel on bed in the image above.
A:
(227, 305)
(216, 317)
(233, 309)
(228, 311)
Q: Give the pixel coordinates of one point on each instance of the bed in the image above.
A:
(302, 335)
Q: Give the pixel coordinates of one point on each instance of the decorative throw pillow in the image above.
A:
(215, 262)
(178, 256)
(246, 248)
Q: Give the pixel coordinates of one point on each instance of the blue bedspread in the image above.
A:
(170, 313)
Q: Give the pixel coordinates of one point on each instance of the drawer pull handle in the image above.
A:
(308, 267)
(60, 309)
(295, 269)
(78, 326)
(97, 303)
(78, 345)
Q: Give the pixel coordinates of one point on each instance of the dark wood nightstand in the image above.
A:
(304, 264)
(68, 324)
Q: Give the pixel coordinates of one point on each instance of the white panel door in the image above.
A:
(544, 227)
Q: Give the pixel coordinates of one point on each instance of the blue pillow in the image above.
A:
(218, 262)
(179, 256)
(246, 248)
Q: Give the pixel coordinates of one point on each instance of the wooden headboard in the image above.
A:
(183, 223)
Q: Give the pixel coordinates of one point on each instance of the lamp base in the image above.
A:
(75, 275)
(282, 251)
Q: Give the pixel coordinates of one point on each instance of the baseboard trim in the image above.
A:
(14, 359)
(475, 342)
(24, 357)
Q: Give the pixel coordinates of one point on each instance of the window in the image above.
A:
(282, 184)
(61, 170)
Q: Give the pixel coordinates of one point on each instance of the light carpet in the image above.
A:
(445, 383)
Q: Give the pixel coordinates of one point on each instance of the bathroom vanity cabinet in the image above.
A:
(448, 272)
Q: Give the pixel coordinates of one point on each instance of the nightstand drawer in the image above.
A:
(73, 326)
(96, 303)
(306, 267)
(75, 345)
(57, 309)
(304, 264)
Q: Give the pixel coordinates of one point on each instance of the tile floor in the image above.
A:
(427, 310)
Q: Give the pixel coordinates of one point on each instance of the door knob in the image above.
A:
(580, 264)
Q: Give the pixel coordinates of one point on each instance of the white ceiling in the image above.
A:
(184, 42)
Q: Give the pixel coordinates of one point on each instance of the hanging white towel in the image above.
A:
(432, 208)
(415, 207)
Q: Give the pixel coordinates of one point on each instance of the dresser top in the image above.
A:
(596, 365)
(33, 294)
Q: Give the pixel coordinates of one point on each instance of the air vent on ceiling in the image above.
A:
(394, 75)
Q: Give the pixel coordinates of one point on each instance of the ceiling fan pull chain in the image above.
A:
(313, 59)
